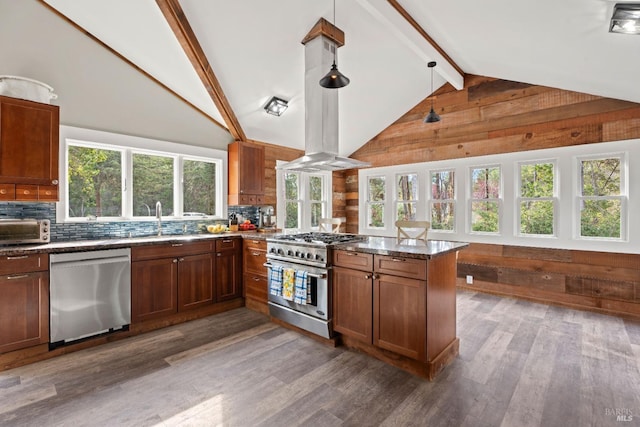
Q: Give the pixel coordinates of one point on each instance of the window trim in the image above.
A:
(127, 145)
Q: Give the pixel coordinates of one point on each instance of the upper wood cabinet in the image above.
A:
(29, 139)
(246, 173)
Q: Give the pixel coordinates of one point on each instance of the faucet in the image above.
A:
(159, 216)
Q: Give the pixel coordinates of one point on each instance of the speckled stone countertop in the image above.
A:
(410, 248)
(123, 242)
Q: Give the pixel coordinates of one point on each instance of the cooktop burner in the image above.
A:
(319, 238)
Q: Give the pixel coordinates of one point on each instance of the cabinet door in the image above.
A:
(252, 169)
(228, 281)
(400, 315)
(153, 289)
(352, 303)
(195, 281)
(28, 142)
(24, 310)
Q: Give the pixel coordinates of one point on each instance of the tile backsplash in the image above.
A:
(92, 230)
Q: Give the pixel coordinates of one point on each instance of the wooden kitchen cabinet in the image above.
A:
(29, 139)
(24, 301)
(245, 173)
(255, 281)
(228, 269)
(167, 278)
(353, 303)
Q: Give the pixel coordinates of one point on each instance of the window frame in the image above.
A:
(384, 203)
(432, 201)
(128, 145)
(397, 201)
(623, 196)
(519, 198)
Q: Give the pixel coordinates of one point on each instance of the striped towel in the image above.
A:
(301, 296)
(288, 279)
(275, 280)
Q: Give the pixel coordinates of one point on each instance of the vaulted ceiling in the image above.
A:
(254, 51)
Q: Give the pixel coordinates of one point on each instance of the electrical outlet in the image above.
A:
(469, 280)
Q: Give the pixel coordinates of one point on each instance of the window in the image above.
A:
(94, 182)
(406, 196)
(375, 201)
(601, 197)
(536, 199)
(442, 201)
(304, 198)
(485, 199)
(119, 182)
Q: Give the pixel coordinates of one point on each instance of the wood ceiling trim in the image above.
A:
(125, 59)
(327, 29)
(180, 26)
(424, 34)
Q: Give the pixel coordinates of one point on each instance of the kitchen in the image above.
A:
(592, 278)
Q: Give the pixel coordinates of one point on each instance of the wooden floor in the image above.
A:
(520, 364)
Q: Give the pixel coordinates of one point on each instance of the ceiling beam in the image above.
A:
(424, 34)
(180, 26)
(398, 22)
(125, 59)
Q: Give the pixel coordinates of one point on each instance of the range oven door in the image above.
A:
(313, 316)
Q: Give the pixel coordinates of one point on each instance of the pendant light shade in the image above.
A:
(432, 117)
(334, 79)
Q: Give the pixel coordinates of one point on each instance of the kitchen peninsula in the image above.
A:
(396, 300)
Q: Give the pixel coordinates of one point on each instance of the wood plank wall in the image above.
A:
(491, 116)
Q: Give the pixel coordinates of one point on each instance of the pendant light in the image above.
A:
(334, 79)
(432, 117)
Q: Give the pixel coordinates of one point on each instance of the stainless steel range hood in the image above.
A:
(321, 112)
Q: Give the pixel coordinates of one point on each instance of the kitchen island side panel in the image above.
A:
(441, 303)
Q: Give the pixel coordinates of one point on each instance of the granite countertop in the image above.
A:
(411, 248)
(124, 242)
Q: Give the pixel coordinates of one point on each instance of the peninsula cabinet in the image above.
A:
(246, 173)
(29, 139)
(399, 309)
(167, 278)
(24, 301)
(228, 269)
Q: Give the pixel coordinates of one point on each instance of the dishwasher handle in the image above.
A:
(94, 261)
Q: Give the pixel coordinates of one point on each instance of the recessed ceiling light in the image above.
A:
(276, 106)
(625, 18)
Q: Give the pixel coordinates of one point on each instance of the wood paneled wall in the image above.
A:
(492, 116)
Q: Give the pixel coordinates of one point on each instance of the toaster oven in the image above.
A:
(24, 231)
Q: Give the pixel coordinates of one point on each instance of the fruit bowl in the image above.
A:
(216, 229)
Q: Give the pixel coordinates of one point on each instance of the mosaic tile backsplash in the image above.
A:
(92, 230)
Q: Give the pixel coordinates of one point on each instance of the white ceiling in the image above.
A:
(254, 49)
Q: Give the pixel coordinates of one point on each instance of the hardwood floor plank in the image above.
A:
(520, 364)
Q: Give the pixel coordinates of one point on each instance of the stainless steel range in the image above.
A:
(311, 253)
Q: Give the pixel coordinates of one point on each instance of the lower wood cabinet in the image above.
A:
(24, 301)
(228, 268)
(255, 275)
(353, 303)
(195, 281)
(154, 288)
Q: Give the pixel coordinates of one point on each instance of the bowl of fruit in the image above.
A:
(216, 228)
(246, 225)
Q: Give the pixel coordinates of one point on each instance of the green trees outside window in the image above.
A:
(406, 196)
(485, 199)
(152, 182)
(443, 200)
(601, 197)
(375, 201)
(537, 198)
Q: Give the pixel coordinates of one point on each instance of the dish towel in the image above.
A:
(275, 280)
(301, 296)
(288, 279)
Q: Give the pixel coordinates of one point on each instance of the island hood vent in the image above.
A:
(321, 114)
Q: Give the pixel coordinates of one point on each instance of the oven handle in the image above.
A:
(317, 276)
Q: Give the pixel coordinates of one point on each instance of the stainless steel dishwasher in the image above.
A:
(90, 294)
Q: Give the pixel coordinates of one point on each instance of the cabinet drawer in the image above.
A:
(255, 244)
(48, 192)
(170, 250)
(401, 266)
(226, 244)
(247, 199)
(26, 192)
(356, 260)
(13, 264)
(254, 260)
(255, 287)
(7, 191)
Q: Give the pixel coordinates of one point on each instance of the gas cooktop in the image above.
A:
(319, 238)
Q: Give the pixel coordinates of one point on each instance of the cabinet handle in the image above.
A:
(352, 253)
(255, 253)
(227, 241)
(54, 182)
(367, 276)
(255, 241)
(398, 259)
(22, 276)
(175, 245)
(181, 259)
(219, 254)
(175, 260)
(18, 257)
(256, 279)
(26, 192)
(3, 191)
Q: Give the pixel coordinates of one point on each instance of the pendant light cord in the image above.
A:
(335, 46)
